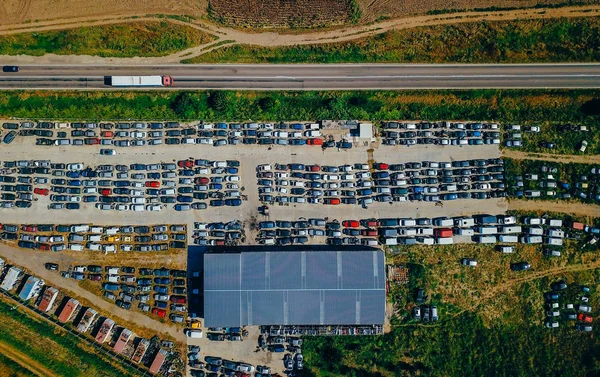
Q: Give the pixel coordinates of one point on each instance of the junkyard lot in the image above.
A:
(250, 157)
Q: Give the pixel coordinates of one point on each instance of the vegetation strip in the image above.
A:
(146, 38)
(25, 361)
(519, 41)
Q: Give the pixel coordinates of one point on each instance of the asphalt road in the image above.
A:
(303, 77)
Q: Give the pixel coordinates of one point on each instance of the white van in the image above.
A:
(444, 241)
(79, 228)
(509, 239)
(193, 333)
(111, 231)
(94, 238)
(486, 239)
(113, 278)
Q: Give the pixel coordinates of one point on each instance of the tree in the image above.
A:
(218, 100)
(185, 105)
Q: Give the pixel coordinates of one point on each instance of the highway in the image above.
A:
(306, 76)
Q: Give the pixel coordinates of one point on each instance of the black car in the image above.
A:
(10, 68)
(520, 266)
(558, 285)
(123, 304)
(51, 266)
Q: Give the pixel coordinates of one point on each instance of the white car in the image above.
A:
(122, 207)
(137, 208)
(232, 178)
(138, 200)
(74, 199)
(330, 177)
(154, 208)
(76, 166)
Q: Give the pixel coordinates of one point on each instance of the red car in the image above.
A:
(185, 164)
(313, 168)
(108, 134)
(159, 312)
(177, 299)
(369, 223)
(41, 191)
(584, 318)
(202, 181)
(29, 228)
(350, 224)
(368, 232)
(314, 141)
(92, 141)
(381, 166)
(152, 184)
(95, 277)
(44, 246)
(332, 201)
(106, 191)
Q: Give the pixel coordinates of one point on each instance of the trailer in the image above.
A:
(47, 300)
(144, 81)
(86, 320)
(485, 239)
(11, 278)
(32, 288)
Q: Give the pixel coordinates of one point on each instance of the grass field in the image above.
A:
(148, 38)
(59, 352)
(9, 368)
(522, 41)
(491, 319)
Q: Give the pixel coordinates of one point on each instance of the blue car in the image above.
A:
(185, 199)
(89, 173)
(296, 126)
(221, 126)
(364, 192)
(215, 186)
(449, 197)
(266, 224)
(186, 173)
(297, 142)
(121, 183)
(73, 174)
(233, 202)
(74, 182)
(217, 203)
(232, 170)
(153, 175)
(137, 167)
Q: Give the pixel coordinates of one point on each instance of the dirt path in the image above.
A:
(34, 262)
(519, 155)
(25, 361)
(271, 39)
(591, 210)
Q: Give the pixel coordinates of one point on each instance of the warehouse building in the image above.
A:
(294, 287)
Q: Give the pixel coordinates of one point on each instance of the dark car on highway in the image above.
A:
(10, 68)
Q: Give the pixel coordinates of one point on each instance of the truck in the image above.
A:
(123, 81)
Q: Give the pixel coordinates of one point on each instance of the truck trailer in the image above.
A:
(124, 81)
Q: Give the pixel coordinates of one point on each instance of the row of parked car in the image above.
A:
(545, 182)
(139, 134)
(161, 289)
(108, 239)
(137, 187)
(356, 184)
(218, 233)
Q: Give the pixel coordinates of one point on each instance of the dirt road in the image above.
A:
(519, 155)
(25, 361)
(591, 210)
(272, 39)
(34, 262)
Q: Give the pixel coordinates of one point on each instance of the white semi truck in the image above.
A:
(122, 81)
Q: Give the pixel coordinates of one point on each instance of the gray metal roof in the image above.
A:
(294, 288)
